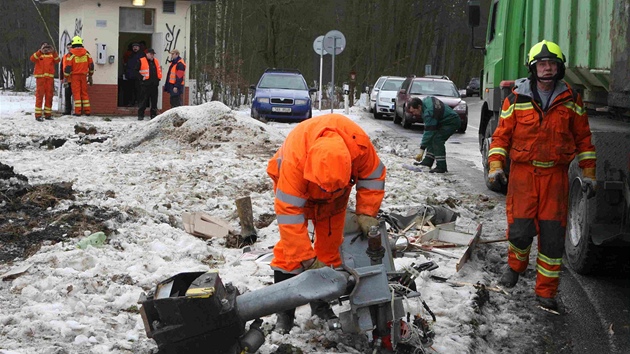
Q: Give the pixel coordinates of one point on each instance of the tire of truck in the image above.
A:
(378, 115)
(581, 254)
(485, 147)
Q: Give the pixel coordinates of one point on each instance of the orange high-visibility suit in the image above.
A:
(79, 66)
(541, 144)
(45, 80)
(313, 174)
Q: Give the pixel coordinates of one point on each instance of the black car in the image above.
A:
(473, 87)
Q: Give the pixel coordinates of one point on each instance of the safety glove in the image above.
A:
(90, 81)
(589, 181)
(365, 222)
(313, 263)
(66, 84)
(496, 172)
(420, 154)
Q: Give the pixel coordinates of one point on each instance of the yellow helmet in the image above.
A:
(546, 50)
(77, 40)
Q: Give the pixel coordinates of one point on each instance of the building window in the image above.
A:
(168, 6)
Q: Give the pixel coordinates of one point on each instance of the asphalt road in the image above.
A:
(596, 310)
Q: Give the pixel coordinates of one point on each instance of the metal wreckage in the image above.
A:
(196, 312)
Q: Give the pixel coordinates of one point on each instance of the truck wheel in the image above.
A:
(485, 148)
(378, 115)
(581, 254)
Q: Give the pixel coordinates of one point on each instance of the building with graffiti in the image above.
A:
(110, 28)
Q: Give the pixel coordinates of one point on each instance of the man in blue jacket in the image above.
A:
(440, 122)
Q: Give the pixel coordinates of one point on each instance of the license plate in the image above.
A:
(281, 109)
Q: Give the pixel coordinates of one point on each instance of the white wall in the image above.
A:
(80, 17)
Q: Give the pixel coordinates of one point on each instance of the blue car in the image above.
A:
(282, 95)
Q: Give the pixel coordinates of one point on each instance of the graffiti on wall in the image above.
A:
(171, 38)
(78, 27)
(63, 40)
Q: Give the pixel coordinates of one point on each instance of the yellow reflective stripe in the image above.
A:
(550, 261)
(586, 155)
(523, 106)
(520, 254)
(548, 273)
(543, 163)
(44, 75)
(508, 112)
(575, 107)
(497, 151)
(77, 102)
(38, 110)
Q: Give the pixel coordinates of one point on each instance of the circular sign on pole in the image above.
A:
(334, 41)
(318, 46)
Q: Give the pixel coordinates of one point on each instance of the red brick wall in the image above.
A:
(104, 100)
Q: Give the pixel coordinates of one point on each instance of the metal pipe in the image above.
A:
(319, 284)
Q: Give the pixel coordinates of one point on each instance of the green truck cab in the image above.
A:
(595, 38)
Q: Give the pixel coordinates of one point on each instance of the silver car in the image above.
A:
(386, 97)
(375, 89)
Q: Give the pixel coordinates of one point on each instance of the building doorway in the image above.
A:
(136, 27)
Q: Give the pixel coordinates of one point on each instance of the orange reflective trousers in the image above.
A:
(537, 203)
(44, 91)
(79, 86)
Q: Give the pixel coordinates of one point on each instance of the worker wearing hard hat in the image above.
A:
(543, 127)
(313, 174)
(80, 67)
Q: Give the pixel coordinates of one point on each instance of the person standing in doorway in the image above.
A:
(175, 84)
(45, 60)
(79, 66)
(132, 74)
(150, 71)
(67, 89)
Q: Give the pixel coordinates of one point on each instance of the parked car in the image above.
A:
(283, 95)
(374, 92)
(387, 96)
(421, 87)
(473, 87)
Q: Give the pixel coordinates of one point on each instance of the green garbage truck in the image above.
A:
(595, 38)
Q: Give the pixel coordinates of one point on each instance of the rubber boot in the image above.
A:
(426, 162)
(322, 310)
(286, 319)
(549, 303)
(509, 277)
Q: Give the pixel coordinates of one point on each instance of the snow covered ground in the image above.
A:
(85, 301)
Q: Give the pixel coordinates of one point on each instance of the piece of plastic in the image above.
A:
(412, 167)
(96, 239)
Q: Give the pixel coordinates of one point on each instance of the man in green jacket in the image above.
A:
(440, 122)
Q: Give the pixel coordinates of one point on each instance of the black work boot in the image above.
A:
(285, 321)
(140, 118)
(285, 318)
(549, 303)
(322, 310)
(426, 162)
(438, 170)
(509, 277)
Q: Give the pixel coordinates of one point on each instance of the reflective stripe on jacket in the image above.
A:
(44, 63)
(543, 138)
(298, 199)
(144, 68)
(79, 63)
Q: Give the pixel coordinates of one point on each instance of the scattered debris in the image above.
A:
(16, 272)
(205, 226)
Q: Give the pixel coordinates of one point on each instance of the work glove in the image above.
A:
(589, 181)
(313, 263)
(365, 222)
(90, 81)
(420, 154)
(66, 84)
(496, 172)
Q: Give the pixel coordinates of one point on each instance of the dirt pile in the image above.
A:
(28, 216)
